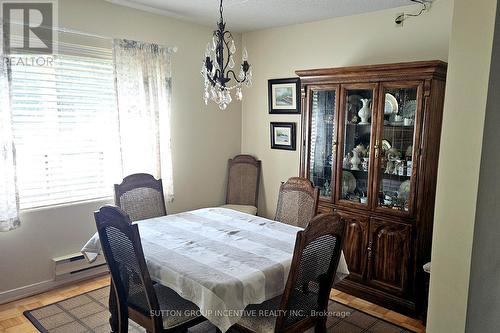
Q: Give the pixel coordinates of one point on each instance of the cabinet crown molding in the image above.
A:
(433, 69)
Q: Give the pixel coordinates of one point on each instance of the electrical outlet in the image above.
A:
(399, 19)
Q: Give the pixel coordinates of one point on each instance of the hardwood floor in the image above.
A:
(12, 319)
(378, 311)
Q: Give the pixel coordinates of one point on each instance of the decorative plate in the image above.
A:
(404, 190)
(348, 181)
(386, 145)
(396, 123)
(409, 109)
(391, 104)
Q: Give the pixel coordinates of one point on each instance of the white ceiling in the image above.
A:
(247, 15)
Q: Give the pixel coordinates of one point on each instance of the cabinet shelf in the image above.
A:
(395, 177)
(359, 125)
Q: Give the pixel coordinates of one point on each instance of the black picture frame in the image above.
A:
(292, 135)
(294, 107)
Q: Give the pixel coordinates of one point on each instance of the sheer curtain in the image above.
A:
(143, 84)
(9, 197)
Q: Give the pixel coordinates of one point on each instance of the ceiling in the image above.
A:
(247, 15)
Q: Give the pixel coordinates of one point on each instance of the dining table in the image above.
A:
(220, 259)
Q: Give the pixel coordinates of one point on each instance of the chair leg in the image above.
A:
(320, 326)
(113, 310)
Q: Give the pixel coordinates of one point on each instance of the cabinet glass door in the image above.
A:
(322, 133)
(397, 139)
(354, 157)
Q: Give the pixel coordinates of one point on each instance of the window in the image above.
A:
(65, 127)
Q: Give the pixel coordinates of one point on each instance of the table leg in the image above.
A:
(113, 309)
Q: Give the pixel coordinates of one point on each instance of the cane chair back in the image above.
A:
(297, 202)
(141, 196)
(122, 248)
(243, 180)
(314, 264)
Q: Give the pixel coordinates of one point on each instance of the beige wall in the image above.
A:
(202, 141)
(459, 162)
(356, 40)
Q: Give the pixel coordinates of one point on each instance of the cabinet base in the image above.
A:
(398, 304)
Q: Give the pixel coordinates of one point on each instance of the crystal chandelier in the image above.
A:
(216, 69)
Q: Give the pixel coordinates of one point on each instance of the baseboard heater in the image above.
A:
(76, 263)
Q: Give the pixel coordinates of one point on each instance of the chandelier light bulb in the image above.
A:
(214, 43)
(245, 54)
(232, 48)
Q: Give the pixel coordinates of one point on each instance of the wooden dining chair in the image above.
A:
(141, 196)
(243, 184)
(304, 302)
(154, 307)
(297, 202)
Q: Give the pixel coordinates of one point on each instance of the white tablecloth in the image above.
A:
(220, 259)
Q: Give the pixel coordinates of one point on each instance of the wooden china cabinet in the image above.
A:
(370, 142)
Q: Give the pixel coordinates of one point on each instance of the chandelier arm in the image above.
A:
(235, 78)
(212, 81)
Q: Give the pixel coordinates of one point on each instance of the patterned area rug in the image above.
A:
(88, 313)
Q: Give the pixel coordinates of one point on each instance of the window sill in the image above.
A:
(67, 204)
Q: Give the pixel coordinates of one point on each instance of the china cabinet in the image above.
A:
(370, 142)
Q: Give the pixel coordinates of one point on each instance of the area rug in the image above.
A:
(88, 313)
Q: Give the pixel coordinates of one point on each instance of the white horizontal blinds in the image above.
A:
(65, 128)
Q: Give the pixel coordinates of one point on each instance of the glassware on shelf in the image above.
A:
(398, 133)
(358, 111)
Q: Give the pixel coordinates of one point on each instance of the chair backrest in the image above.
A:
(140, 196)
(314, 264)
(243, 180)
(122, 248)
(297, 202)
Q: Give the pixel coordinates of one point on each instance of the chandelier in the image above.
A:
(218, 67)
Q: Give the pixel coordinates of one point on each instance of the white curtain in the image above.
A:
(143, 82)
(9, 197)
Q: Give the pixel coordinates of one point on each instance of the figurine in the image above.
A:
(355, 160)
(361, 150)
(392, 156)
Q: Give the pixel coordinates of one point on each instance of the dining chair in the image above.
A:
(297, 202)
(154, 307)
(304, 302)
(141, 196)
(243, 184)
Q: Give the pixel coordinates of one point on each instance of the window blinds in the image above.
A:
(65, 126)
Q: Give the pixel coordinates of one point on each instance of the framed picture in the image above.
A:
(283, 136)
(284, 96)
